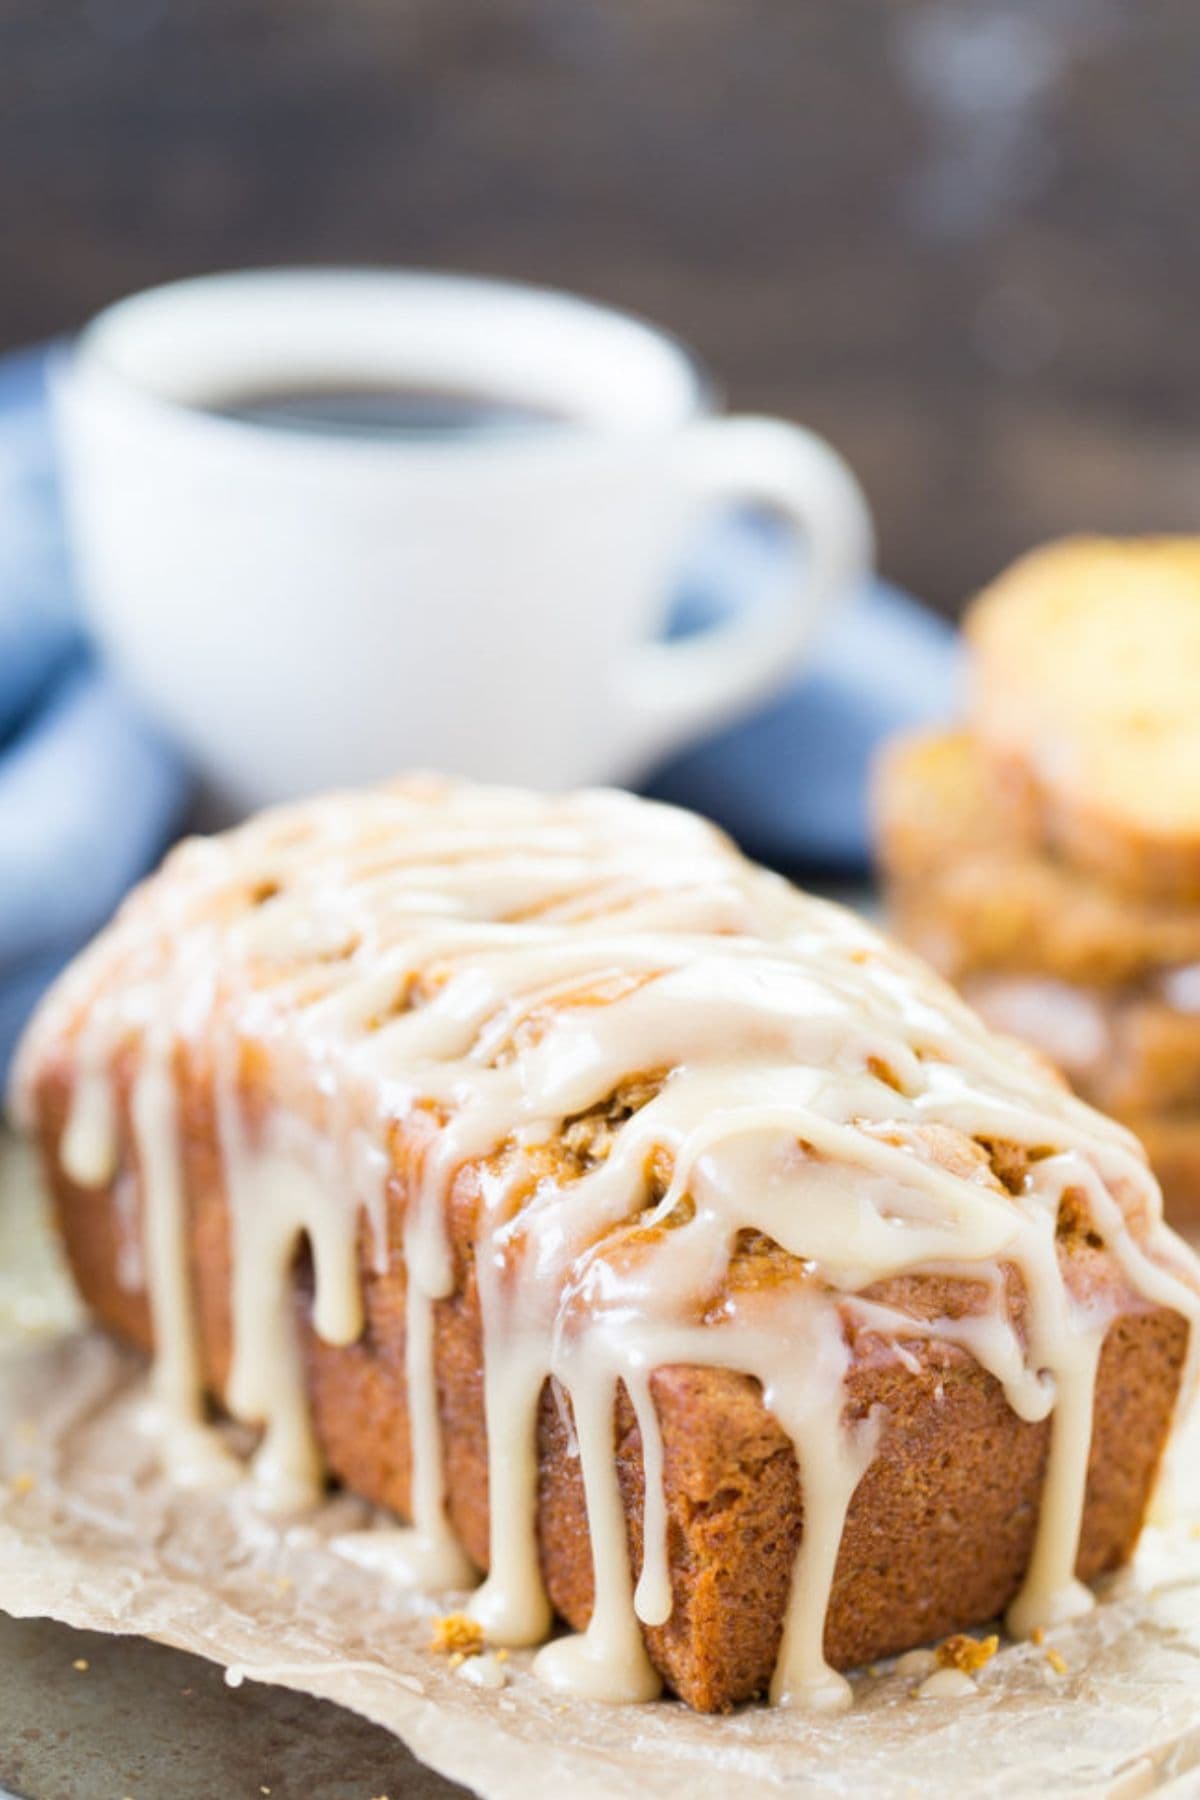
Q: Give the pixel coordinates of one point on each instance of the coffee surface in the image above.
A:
(384, 411)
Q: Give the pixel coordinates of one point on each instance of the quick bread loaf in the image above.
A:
(650, 1235)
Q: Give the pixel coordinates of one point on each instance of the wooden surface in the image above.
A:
(959, 236)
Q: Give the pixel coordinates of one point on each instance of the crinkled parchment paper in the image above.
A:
(91, 1535)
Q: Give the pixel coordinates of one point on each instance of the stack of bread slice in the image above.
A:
(1046, 857)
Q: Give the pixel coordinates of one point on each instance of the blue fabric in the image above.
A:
(38, 631)
(89, 795)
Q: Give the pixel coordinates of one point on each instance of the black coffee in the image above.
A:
(384, 412)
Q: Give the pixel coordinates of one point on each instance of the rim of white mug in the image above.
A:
(115, 354)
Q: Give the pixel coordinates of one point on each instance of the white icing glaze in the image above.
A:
(636, 1046)
(947, 1684)
(483, 1671)
(919, 1662)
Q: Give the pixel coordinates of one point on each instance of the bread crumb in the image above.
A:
(501, 1655)
(457, 1659)
(1038, 1635)
(23, 1483)
(264, 1790)
(82, 1664)
(457, 1635)
(1057, 1661)
(967, 1654)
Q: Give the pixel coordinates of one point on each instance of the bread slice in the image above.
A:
(933, 797)
(1086, 698)
(972, 890)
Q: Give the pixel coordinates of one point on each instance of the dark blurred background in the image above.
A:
(959, 238)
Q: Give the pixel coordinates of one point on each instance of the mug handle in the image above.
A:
(674, 690)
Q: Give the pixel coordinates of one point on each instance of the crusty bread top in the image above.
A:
(1087, 680)
(346, 927)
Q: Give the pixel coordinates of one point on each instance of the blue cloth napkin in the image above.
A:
(89, 795)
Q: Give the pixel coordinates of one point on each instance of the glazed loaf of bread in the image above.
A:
(653, 1238)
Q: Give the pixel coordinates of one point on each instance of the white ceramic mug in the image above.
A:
(303, 609)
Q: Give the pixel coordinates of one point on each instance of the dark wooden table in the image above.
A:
(142, 1722)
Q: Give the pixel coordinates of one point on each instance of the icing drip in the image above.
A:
(195, 1457)
(608, 1661)
(89, 1145)
(625, 1050)
(511, 1605)
(276, 1205)
(1050, 1594)
(652, 1599)
(430, 1549)
(154, 1112)
(802, 1676)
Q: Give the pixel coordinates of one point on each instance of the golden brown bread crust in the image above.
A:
(939, 1531)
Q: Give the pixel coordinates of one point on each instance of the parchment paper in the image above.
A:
(91, 1535)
